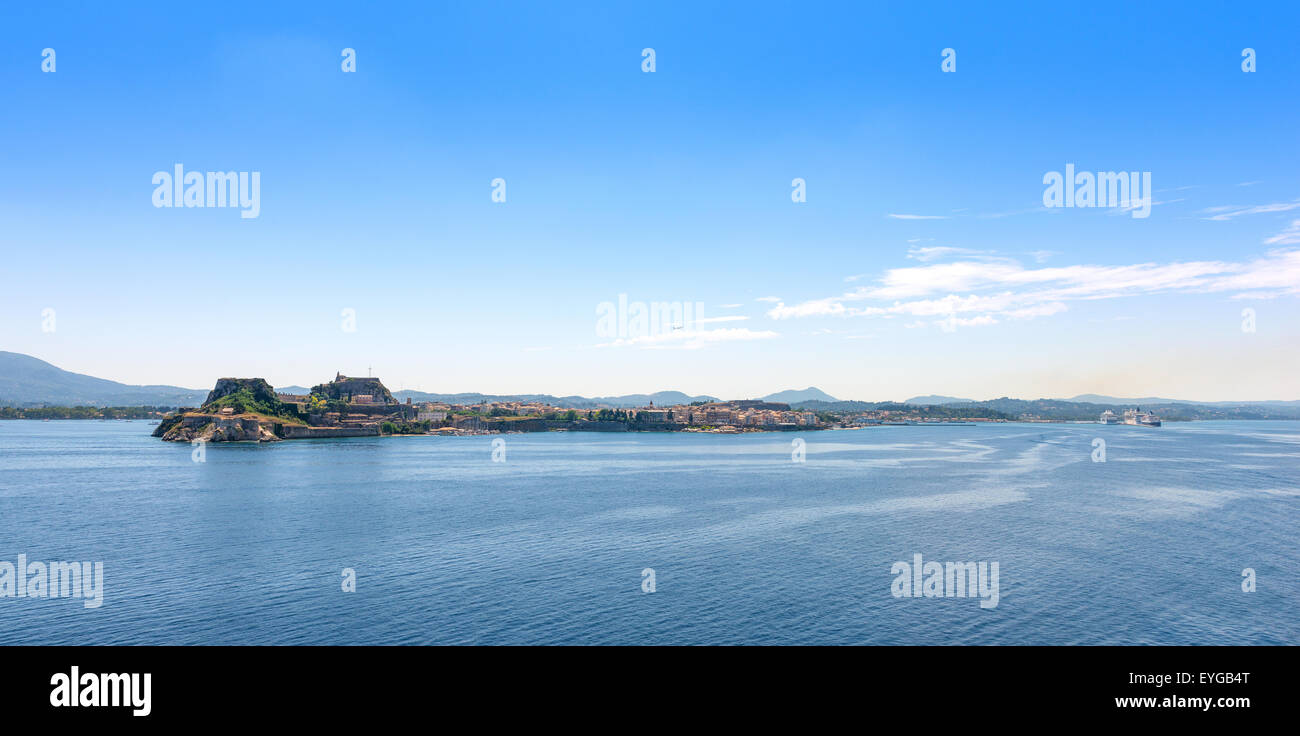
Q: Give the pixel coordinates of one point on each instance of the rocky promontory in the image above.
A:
(215, 428)
(236, 410)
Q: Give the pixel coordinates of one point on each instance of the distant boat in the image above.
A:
(1109, 417)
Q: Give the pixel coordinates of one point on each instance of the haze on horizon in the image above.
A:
(922, 261)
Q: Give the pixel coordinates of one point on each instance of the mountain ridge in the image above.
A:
(26, 381)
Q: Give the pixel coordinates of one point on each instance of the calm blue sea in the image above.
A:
(747, 547)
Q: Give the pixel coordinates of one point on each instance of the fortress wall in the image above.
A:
(586, 426)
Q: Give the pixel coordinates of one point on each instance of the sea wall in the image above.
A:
(300, 432)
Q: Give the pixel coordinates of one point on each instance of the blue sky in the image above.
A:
(666, 186)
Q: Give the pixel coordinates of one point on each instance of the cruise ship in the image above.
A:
(1142, 418)
(1109, 417)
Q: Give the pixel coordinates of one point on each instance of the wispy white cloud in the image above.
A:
(935, 252)
(941, 252)
(1227, 212)
(917, 217)
(1128, 205)
(768, 299)
(1013, 213)
(982, 292)
(1289, 236)
(728, 306)
(728, 318)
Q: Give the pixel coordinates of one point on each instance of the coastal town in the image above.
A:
(519, 416)
(361, 403)
(368, 404)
